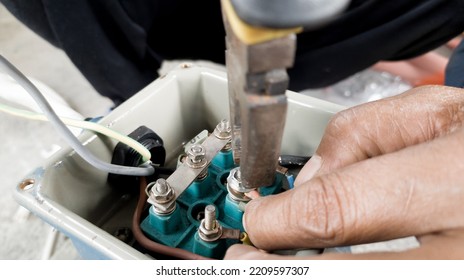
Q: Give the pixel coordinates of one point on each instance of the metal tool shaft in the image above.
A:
(257, 83)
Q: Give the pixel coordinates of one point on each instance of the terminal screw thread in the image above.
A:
(161, 186)
(210, 217)
(224, 131)
(223, 128)
(210, 230)
(162, 196)
(196, 158)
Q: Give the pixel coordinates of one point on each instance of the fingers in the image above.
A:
(309, 170)
(416, 70)
(437, 246)
(444, 245)
(245, 252)
(387, 125)
(414, 191)
(454, 43)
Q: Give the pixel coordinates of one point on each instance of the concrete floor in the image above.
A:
(26, 144)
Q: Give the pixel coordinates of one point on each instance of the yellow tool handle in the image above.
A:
(251, 35)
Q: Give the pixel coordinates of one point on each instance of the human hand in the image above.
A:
(383, 170)
(426, 69)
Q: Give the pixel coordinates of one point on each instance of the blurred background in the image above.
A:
(25, 144)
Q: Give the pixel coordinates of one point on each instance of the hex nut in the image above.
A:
(162, 196)
(210, 235)
(234, 181)
(236, 196)
(196, 153)
(164, 208)
(223, 130)
(196, 156)
(162, 192)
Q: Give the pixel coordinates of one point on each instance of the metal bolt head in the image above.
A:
(162, 197)
(164, 208)
(196, 153)
(223, 130)
(161, 186)
(235, 188)
(210, 235)
(234, 180)
(196, 156)
(161, 192)
(210, 229)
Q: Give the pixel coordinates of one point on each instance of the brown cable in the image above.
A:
(150, 244)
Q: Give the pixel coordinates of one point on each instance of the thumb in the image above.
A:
(413, 191)
(239, 251)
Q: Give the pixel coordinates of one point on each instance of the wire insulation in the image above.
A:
(150, 244)
(96, 127)
(48, 111)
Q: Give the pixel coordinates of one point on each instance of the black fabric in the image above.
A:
(119, 44)
(370, 31)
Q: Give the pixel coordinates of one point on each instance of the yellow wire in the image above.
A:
(144, 152)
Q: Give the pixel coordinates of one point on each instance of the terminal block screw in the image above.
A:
(224, 131)
(196, 156)
(235, 187)
(162, 187)
(196, 153)
(162, 197)
(210, 230)
(210, 217)
(162, 191)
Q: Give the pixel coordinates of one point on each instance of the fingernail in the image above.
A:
(309, 170)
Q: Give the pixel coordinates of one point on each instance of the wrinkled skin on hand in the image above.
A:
(383, 170)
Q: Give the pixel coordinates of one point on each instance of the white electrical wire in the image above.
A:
(18, 97)
(144, 152)
(50, 244)
(50, 114)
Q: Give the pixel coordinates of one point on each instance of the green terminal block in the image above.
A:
(215, 249)
(180, 228)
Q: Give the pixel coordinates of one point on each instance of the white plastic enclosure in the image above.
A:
(75, 198)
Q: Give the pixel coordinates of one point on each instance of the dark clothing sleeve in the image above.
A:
(454, 75)
(374, 30)
(118, 45)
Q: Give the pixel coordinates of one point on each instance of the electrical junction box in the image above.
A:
(77, 200)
